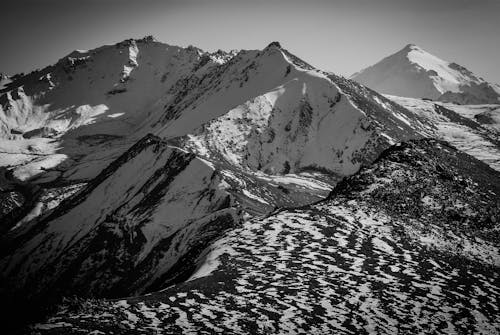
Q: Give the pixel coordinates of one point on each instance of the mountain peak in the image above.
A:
(148, 39)
(411, 46)
(274, 44)
(414, 72)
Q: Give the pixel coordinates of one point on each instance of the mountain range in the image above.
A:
(176, 190)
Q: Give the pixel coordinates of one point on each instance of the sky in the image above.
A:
(342, 36)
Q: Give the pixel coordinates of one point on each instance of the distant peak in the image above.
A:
(133, 41)
(274, 45)
(411, 46)
(147, 39)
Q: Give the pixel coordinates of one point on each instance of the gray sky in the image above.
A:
(337, 35)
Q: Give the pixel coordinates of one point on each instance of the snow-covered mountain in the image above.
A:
(92, 105)
(109, 89)
(273, 126)
(414, 72)
(84, 187)
(121, 165)
(68, 130)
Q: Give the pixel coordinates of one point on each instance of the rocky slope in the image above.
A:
(487, 115)
(490, 118)
(408, 244)
(413, 72)
(464, 126)
(135, 227)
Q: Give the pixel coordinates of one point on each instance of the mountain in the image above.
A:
(413, 72)
(124, 169)
(389, 251)
(123, 163)
(67, 131)
(92, 105)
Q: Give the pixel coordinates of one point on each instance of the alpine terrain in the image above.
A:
(414, 72)
(153, 189)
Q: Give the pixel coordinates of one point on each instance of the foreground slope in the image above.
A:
(138, 225)
(408, 244)
(413, 72)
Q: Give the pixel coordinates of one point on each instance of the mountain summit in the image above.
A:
(414, 72)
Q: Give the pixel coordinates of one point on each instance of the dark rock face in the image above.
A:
(384, 254)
